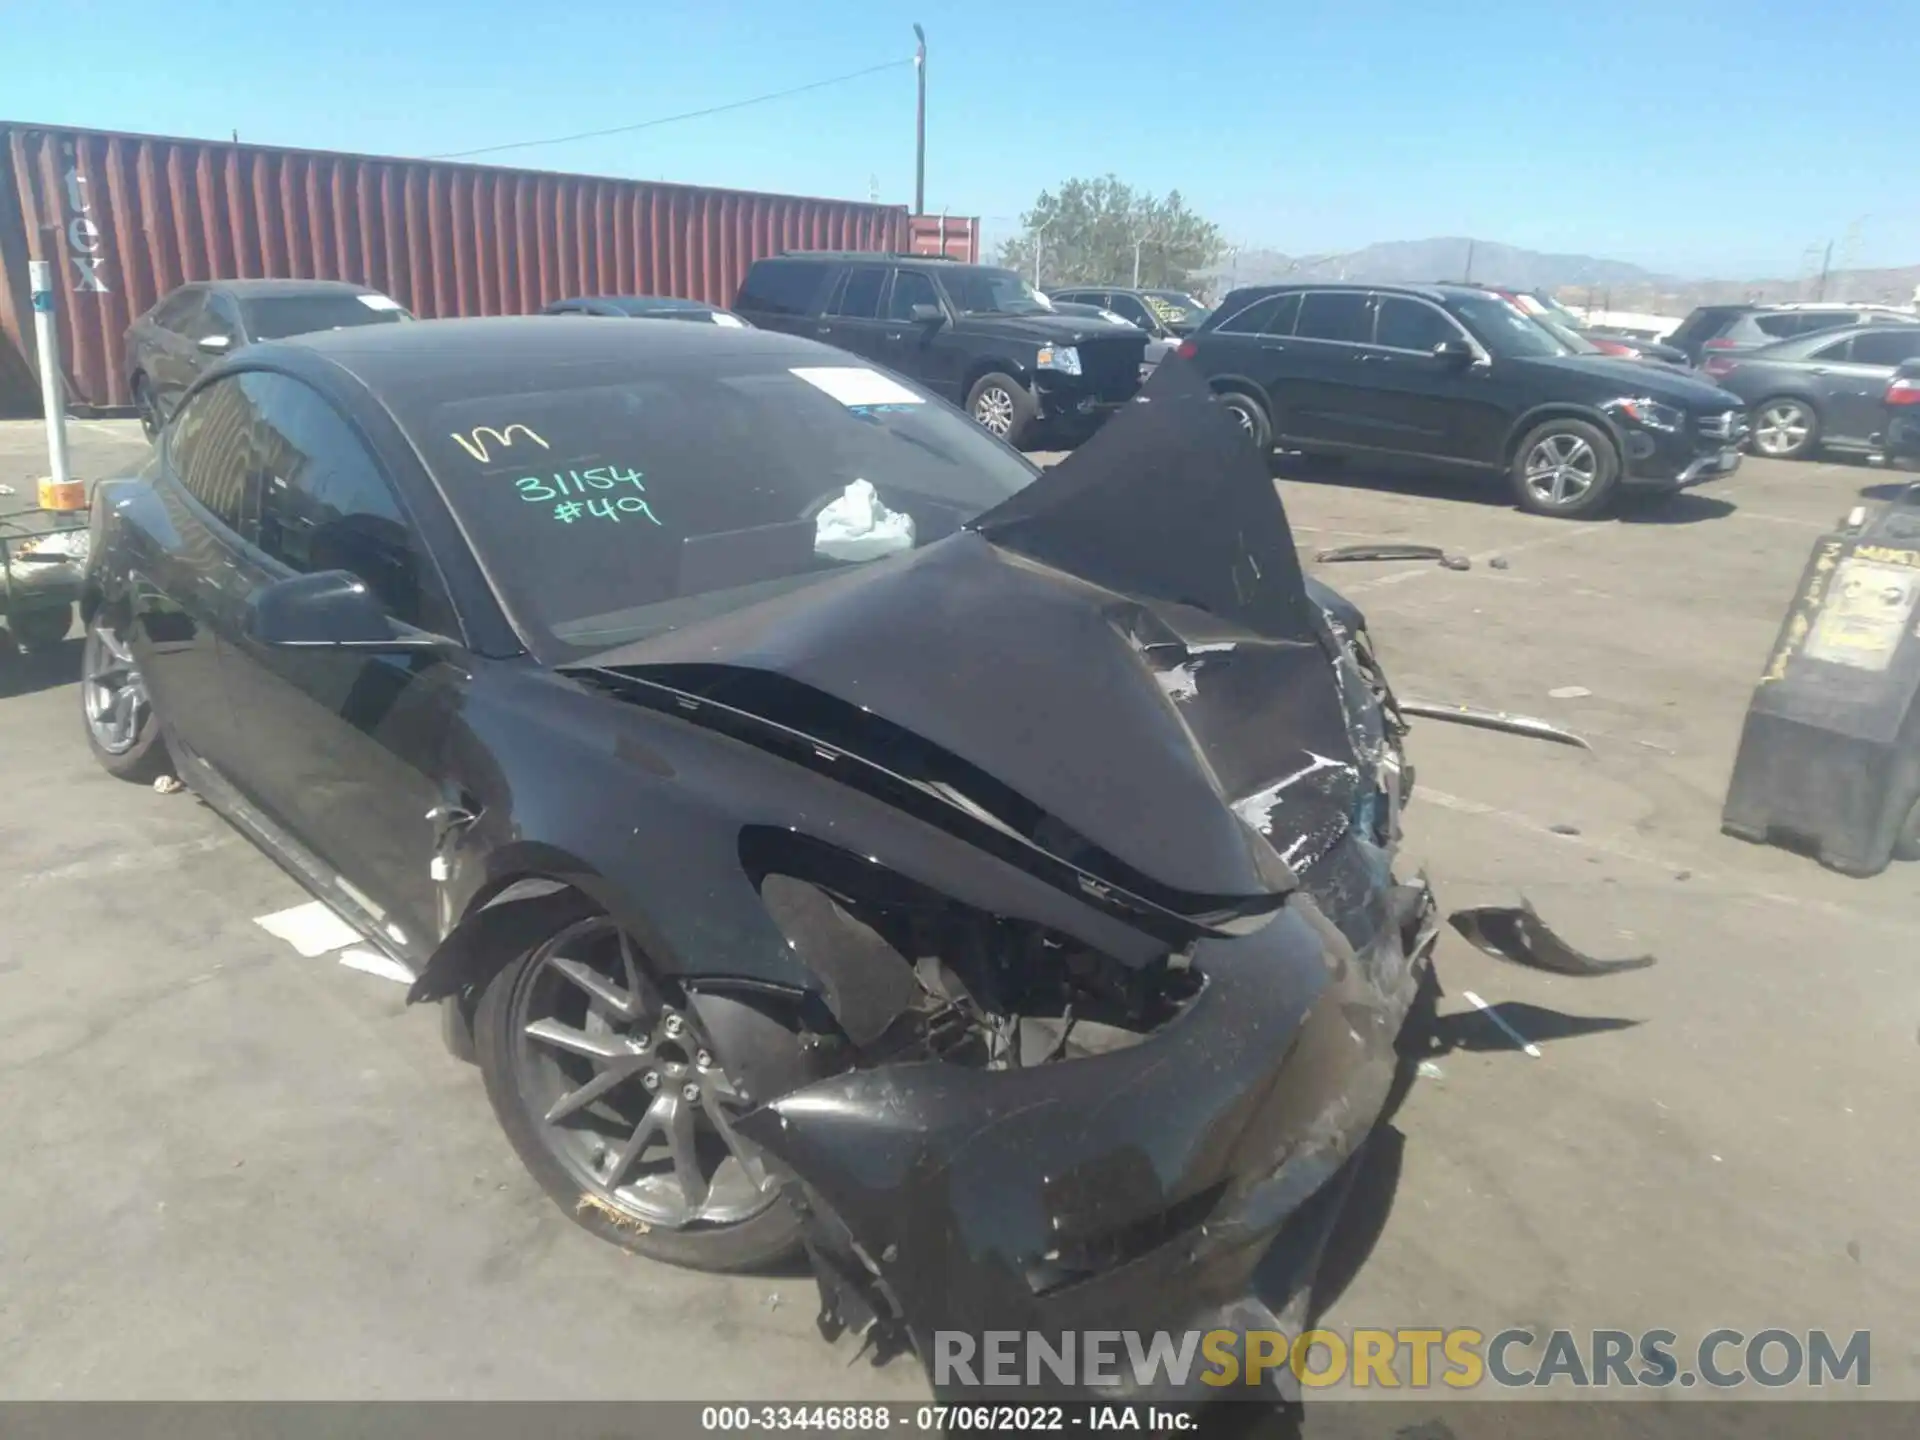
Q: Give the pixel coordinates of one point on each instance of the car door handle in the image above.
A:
(1371, 359)
(1271, 345)
(1818, 370)
(823, 329)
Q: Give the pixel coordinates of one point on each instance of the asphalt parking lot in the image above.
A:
(234, 1171)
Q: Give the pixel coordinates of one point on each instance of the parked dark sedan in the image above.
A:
(817, 823)
(1454, 375)
(1825, 389)
(196, 326)
(644, 307)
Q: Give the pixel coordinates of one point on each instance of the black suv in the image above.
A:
(1454, 374)
(976, 335)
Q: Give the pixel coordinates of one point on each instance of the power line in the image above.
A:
(670, 119)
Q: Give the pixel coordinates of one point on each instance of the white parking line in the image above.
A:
(312, 929)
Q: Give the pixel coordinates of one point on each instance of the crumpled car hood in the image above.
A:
(1121, 662)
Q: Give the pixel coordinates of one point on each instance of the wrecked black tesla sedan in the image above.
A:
(822, 828)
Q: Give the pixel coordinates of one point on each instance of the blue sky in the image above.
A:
(1707, 139)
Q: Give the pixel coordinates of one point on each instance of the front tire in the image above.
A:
(122, 729)
(1002, 406)
(1251, 416)
(1785, 428)
(618, 1107)
(1565, 468)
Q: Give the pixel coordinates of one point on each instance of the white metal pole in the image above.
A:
(46, 337)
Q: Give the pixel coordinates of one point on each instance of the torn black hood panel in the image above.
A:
(1125, 667)
(1167, 501)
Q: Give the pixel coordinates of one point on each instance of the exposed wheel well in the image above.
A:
(981, 369)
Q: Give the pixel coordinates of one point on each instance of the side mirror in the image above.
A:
(1455, 352)
(927, 315)
(333, 610)
(216, 344)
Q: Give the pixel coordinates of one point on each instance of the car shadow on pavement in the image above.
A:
(1685, 507)
(27, 672)
(1889, 489)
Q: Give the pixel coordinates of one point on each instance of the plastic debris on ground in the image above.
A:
(1517, 934)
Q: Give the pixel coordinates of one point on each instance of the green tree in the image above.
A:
(1104, 232)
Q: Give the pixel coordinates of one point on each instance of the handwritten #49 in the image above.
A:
(537, 490)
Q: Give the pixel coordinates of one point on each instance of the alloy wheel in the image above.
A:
(1782, 428)
(624, 1090)
(1561, 469)
(994, 410)
(113, 691)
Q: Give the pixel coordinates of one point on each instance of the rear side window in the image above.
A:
(210, 449)
(1781, 327)
(781, 287)
(1893, 345)
(1839, 350)
(1271, 316)
(1335, 315)
(860, 296)
(275, 317)
(1703, 323)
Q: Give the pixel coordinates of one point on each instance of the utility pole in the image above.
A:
(920, 125)
(1826, 269)
(1467, 278)
(1039, 244)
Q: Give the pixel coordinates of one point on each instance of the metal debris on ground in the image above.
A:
(1564, 829)
(1569, 692)
(1493, 720)
(1370, 551)
(1517, 934)
(1456, 561)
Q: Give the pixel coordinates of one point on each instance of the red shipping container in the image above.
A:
(126, 218)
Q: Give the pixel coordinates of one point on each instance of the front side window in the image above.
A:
(1838, 350)
(323, 503)
(627, 504)
(860, 297)
(910, 288)
(1258, 317)
(1406, 324)
(1128, 308)
(210, 449)
(1336, 315)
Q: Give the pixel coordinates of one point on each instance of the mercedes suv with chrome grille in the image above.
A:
(1452, 375)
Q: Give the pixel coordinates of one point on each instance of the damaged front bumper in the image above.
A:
(1184, 1183)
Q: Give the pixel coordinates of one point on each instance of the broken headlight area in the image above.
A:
(980, 1163)
(909, 974)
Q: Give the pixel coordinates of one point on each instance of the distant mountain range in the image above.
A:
(1577, 279)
